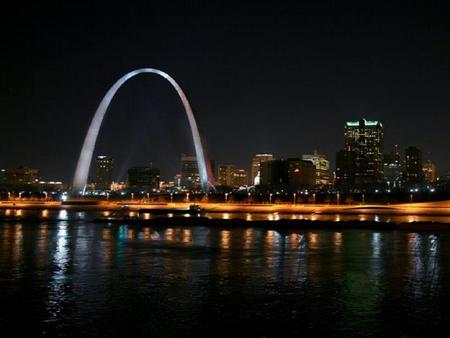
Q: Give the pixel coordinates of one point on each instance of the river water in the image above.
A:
(75, 278)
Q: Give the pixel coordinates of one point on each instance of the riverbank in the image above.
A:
(441, 208)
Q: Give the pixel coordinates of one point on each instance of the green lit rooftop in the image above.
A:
(366, 123)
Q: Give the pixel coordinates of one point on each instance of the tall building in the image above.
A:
(290, 174)
(322, 167)
(256, 164)
(190, 177)
(413, 166)
(240, 178)
(365, 139)
(177, 181)
(429, 171)
(393, 169)
(345, 169)
(103, 172)
(147, 178)
(226, 172)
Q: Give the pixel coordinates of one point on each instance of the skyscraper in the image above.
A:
(190, 177)
(393, 168)
(103, 172)
(240, 178)
(226, 172)
(413, 166)
(322, 167)
(256, 164)
(429, 171)
(345, 169)
(365, 139)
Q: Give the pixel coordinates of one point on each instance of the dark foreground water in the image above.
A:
(74, 278)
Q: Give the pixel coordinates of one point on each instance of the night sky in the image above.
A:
(261, 77)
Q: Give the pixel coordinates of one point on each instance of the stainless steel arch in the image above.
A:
(84, 161)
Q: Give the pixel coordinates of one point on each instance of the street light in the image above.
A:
(148, 197)
(45, 194)
(171, 197)
(270, 198)
(132, 196)
(248, 201)
(363, 197)
(107, 196)
(295, 195)
(226, 197)
(314, 198)
(337, 198)
(187, 197)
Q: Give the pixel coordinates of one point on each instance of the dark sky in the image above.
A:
(261, 76)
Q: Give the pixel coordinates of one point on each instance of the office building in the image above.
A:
(19, 177)
(256, 163)
(190, 177)
(322, 167)
(226, 175)
(413, 166)
(429, 171)
(146, 178)
(345, 169)
(103, 172)
(289, 175)
(365, 139)
(240, 178)
(393, 169)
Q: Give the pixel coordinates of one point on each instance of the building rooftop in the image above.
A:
(364, 121)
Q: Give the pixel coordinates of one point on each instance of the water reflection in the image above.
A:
(376, 244)
(355, 280)
(168, 234)
(57, 292)
(63, 215)
(225, 239)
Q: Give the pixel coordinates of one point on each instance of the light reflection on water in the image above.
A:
(57, 283)
(67, 214)
(354, 280)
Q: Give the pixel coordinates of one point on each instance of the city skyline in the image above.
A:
(284, 84)
(247, 166)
